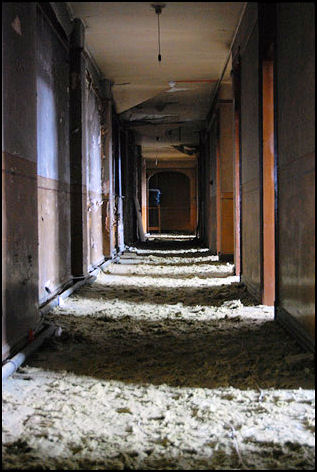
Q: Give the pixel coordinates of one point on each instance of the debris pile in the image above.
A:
(165, 362)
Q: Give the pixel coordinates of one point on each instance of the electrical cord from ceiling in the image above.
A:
(158, 11)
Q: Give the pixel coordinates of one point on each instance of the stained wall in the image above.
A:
(53, 165)
(57, 164)
(93, 156)
(19, 177)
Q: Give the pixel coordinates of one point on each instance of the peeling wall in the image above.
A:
(107, 185)
(92, 108)
(296, 162)
(19, 182)
(52, 72)
(57, 166)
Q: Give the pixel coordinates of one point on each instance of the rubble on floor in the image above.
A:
(165, 362)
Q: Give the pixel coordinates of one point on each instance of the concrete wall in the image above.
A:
(19, 171)
(295, 64)
(52, 73)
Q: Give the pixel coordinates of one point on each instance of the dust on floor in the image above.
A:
(165, 362)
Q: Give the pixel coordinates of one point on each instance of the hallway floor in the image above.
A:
(164, 362)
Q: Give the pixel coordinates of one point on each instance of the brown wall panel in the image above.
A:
(236, 194)
(250, 166)
(226, 146)
(53, 166)
(19, 251)
(227, 225)
(296, 162)
(268, 186)
(226, 243)
(54, 230)
(251, 234)
(19, 184)
(297, 240)
(212, 222)
(207, 159)
(79, 193)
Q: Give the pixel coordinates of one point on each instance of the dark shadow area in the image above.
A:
(189, 296)
(169, 245)
(207, 354)
(271, 455)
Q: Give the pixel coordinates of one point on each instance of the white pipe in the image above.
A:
(14, 363)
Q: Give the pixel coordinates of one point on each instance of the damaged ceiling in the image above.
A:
(165, 102)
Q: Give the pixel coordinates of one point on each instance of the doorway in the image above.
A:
(170, 193)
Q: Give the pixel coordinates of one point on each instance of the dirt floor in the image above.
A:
(164, 362)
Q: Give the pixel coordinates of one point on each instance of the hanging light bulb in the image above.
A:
(156, 160)
(158, 11)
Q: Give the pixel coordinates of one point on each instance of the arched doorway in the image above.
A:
(174, 201)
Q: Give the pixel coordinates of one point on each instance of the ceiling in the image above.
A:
(165, 102)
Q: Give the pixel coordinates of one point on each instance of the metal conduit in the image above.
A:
(11, 365)
(15, 362)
